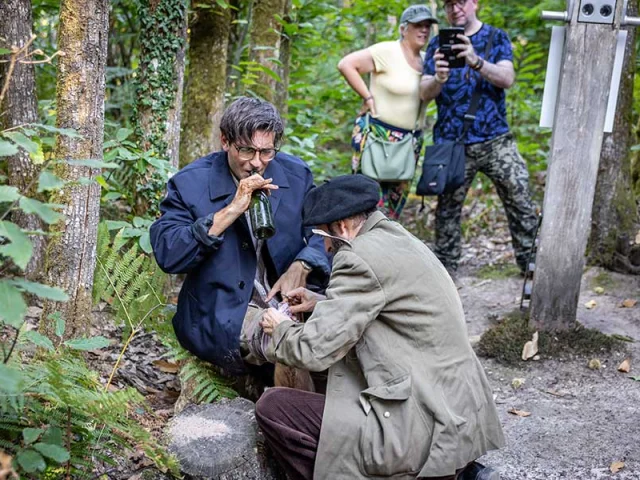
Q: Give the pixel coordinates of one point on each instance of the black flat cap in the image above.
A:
(339, 198)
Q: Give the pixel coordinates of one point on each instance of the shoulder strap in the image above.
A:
(470, 116)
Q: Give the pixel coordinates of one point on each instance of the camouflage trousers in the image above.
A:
(499, 160)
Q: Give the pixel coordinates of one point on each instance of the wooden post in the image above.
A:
(573, 168)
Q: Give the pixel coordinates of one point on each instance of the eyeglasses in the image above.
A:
(249, 153)
(448, 6)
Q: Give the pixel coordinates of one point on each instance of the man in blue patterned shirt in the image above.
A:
(490, 147)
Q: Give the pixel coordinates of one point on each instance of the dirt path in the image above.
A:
(581, 420)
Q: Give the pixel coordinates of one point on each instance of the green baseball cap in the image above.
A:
(417, 14)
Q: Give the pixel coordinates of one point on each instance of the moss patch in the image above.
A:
(498, 271)
(604, 280)
(505, 340)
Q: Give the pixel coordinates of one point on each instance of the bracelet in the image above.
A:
(370, 97)
(441, 82)
(479, 64)
(306, 265)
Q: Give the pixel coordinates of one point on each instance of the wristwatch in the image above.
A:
(478, 65)
(305, 265)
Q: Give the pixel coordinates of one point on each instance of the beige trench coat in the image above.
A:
(406, 395)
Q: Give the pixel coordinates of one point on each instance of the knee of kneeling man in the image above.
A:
(267, 404)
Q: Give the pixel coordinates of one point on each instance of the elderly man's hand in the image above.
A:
(466, 50)
(271, 319)
(294, 277)
(303, 300)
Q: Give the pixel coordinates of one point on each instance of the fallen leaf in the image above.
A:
(629, 303)
(516, 383)
(557, 393)
(598, 290)
(625, 366)
(166, 367)
(520, 413)
(637, 379)
(590, 304)
(594, 364)
(530, 348)
(616, 467)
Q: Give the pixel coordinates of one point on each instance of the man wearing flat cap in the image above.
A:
(406, 395)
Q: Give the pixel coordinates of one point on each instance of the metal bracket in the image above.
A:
(597, 11)
(559, 16)
(627, 20)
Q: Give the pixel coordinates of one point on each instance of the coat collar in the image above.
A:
(221, 182)
(374, 219)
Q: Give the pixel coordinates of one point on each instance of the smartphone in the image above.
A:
(446, 38)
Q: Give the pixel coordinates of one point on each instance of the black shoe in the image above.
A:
(477, 471)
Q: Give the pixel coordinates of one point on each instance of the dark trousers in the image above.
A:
(290, 420)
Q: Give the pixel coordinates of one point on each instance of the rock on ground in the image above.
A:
(221, 441)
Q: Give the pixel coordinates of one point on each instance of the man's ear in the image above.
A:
(224, 142)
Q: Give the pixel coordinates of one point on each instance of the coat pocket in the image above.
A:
(395, 437)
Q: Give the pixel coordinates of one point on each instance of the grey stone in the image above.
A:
(221, 441)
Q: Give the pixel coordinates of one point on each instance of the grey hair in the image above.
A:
(246, 116)
(402, 27)
(358, 219)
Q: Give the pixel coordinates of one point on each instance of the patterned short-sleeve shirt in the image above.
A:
(455, 97)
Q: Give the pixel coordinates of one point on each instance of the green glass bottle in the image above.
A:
(260, 215)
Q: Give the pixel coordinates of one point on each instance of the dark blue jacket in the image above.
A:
(220, 273)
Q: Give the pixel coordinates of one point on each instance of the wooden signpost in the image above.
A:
(586, 72)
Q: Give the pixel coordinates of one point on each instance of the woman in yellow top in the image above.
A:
(393, 98)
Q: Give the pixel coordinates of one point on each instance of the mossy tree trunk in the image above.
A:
(282, 87)
(206, 81)
(264, 44)
(80, 90)
(19, 107)
(237, 48)
(615, 217)
(160, 76)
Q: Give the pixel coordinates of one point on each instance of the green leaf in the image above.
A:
(7, 149)
(8, 194)
(49, 181)
(43, 210)
(222, 4)
(31, 461)
(92, 343)
(54, 452)
(53, 435)
(60, 324)
(116, 225)
(67, 132)
(123, 134)
(132, 232)
(140, 222)
(10, 379)
(19, 249)
(12, 306)
(145, 242)
(4, 51)
(93, 163)
(39, 340)
(30, 435)
(41, 290)
(23, 141)
(111, 196)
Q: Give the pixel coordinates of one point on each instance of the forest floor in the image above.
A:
(582, 423)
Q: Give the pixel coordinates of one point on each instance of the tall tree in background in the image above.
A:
(160, 76)
(71, 253)
(264, 43)
(19, 107)
(282, 87)
(615, 216)
(206, 81)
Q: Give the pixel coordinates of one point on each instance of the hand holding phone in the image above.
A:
(446, 38)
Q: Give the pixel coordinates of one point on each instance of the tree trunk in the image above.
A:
(20, 106)
(71, 254)
(265, 39)
(615, 216)
(282, 87)
(160, 76)
(239, 30)
(204, 92)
